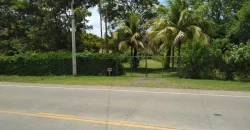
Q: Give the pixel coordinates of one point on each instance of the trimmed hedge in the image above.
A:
(59, 63)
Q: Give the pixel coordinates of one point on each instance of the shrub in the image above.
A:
(200, 61)
(125, 57)
(237, 60)
(59, 63)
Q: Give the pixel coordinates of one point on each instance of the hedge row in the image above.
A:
(59, 63)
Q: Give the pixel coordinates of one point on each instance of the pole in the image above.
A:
(73, 40)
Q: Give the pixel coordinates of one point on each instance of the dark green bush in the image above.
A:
(200, 62)
(59, 63)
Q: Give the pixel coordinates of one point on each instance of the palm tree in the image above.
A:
(100, 13)
(130, 35)
(178, 25)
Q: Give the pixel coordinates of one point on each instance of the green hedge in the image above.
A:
(59, 63)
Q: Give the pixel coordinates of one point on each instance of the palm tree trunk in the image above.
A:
(179, 54)
(131, 57)
(167, 63)
(100, 8)
(179, 59)
(135, 58)
(106, 29)
(173, 58)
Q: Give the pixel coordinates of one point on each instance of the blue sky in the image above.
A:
(95, 20)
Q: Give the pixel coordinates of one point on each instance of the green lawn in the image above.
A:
(154, 69)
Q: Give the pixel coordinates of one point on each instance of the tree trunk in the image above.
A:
(179, 59)
(100, 8)
(106, 29)
(135, 58)
(179, 54)
(168, 55)
(131, 57)
(173, 58)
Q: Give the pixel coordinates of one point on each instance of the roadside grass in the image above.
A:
(70, 80)
(155, 79)
(125, 81)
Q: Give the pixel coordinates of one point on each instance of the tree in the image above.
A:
(222, 12)
(100, 13)
(119, 10)
(239, 32)
(89, 42)
(130, 34)
(37, 25)
(180, 24)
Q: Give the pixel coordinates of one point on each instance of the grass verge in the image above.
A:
(126, 81)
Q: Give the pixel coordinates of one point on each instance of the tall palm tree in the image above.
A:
(180, 24)
(130, 35)
(100, 13)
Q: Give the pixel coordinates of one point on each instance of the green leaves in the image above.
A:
(89, 42)
(129, 33)
(200, 62)
(238, 60)
(58, 63)
(38, 24)
(239, 31)
(180, 24)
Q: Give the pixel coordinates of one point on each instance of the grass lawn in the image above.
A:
(154, 69)
(155, 79)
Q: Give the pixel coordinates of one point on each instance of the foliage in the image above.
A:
(237, 60)
(239, 32)
(178, 25)
(58, 63)
(120, 9)
(195, 61)
(125, 57)
(38, 25)
(129, 35)
(90, 42)
(200, 62)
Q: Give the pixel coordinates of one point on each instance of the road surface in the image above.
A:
(67, 107)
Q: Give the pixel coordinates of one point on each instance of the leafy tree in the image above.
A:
(90, 42)
(38, 25)
(179, 25)
(130, 34)
(13, 17)
(239, 32)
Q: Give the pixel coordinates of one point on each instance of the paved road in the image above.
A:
(62, 107)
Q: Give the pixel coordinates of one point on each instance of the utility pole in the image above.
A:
(73, 40)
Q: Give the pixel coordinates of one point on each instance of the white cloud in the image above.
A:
(95, 21)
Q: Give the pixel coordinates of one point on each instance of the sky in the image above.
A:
(94, 20)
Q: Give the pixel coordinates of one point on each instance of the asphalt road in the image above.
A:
(62, 107)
